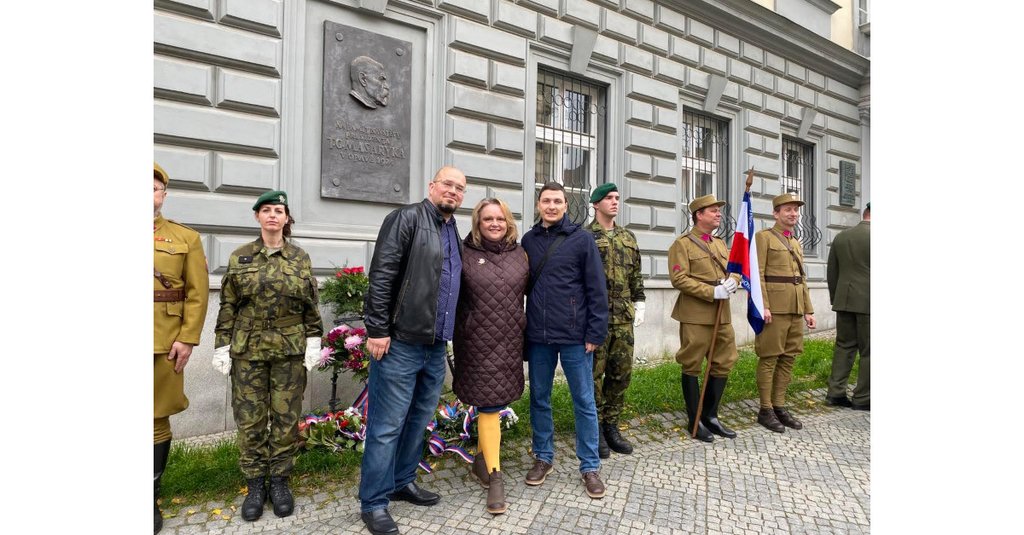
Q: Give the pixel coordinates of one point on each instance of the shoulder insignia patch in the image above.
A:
(245, 259)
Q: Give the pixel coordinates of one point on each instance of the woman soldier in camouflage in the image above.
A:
(268, 321)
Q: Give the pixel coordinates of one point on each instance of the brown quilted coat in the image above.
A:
(489, 325)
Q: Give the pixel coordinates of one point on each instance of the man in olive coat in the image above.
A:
(698, 265)
(181, 289)
(849, 288)
(787, 308)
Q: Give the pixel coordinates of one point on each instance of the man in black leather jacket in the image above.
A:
(410, 317)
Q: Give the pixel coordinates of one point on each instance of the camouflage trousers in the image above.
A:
(262, 393)
(613, 368)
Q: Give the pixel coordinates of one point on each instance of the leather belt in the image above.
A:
(796, 279)
(168, 296)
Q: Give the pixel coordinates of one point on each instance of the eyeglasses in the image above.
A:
(448, 184)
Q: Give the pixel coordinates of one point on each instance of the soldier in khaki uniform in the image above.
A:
(787, 308)
(613, 361)
(698, 263)
(268, 335)
(181, 288)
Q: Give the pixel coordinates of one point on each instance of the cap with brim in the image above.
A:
(160, 174)
(703, 202)
(271, 197)
(601, 191)
(786, 198)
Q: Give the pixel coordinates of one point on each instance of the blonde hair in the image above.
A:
(511, 232)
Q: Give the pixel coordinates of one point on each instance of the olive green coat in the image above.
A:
(620, 256)
(849, 270)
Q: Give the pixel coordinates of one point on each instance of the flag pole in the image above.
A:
(714, 336)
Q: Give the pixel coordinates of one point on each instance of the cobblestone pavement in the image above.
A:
(815, 480)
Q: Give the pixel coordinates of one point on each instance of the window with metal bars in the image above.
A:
(570, 138)
(798, 178)
(705, 164)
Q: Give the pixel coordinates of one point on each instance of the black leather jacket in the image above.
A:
(405, 275)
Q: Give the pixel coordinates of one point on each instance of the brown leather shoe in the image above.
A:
(496, 494)
(767, 418)
(787, 419)
(592, 481)
(480, 470)
(538, 473)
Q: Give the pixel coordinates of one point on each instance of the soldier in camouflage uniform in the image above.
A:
(613, 361)
(269, 321)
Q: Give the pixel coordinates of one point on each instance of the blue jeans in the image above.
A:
(405, 387)
(578, 366)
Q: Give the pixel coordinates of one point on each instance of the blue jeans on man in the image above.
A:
(578, 366)
(404, 389)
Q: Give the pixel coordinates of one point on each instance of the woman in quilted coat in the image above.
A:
(488, 341)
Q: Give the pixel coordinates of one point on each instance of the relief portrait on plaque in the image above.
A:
(367, 107)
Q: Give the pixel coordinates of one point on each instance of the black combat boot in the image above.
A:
(615, 441)
(252, 507)
(602, 444)
(712, 399)
(691, 395)
(160, 453)
(281, 496)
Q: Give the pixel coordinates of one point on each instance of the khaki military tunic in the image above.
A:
(178, 257)
(695, 273)
(788, 301)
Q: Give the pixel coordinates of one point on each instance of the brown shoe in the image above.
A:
(538, 473)
(592, 481)
(496, 494)
(767, 418)
(480, 470)
(787, 419)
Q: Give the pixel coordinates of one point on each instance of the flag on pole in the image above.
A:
(743, 260)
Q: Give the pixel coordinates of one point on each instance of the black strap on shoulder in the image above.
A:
(547, 254)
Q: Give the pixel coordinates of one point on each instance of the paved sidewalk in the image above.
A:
(815, 480)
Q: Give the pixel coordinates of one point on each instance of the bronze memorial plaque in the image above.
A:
(367, 105)
(847, 183)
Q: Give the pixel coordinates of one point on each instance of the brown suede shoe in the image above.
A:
(787, 419)
(538, 473)
(592, 481)
(480, 470)
(767, 418)
(496, 494)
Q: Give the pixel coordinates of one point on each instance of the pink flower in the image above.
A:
(353, 342)
(325, 357)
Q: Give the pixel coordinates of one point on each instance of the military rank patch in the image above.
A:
(245, 260)
(676, 267)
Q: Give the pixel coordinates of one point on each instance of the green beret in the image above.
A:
(271, 197)
(601, 191)
(868, 206)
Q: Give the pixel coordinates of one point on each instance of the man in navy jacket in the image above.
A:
(566, 318)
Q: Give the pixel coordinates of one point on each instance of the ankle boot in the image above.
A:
(602, 444)
(252, 507)
(712, 399)
(480, 470)
(767, 418)
(496, 494)
(615, 440)
(691, 393)
(160, 453)
(281, 496)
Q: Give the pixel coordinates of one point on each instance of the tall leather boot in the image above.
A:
(712, 399)
(160, 453)
(691, 395)
(615, 440)
(252, 507)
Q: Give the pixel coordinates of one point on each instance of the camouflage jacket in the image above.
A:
(620, 256)
(268, 303)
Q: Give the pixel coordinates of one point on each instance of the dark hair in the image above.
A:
(693, 215)
(287, 231)
(553, 186)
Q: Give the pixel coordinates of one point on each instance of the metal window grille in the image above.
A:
(570, 140)
(706, 164)
(798, 179)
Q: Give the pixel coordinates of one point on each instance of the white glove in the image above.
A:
(638, 313)
(730, 284)
(312, 352)
(222, 359)
(721, 292)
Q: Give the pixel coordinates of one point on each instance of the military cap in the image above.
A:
(703, 202)
(601, 191)
(271, 197)
(786, 198)
(160, 174)
(868, 205)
